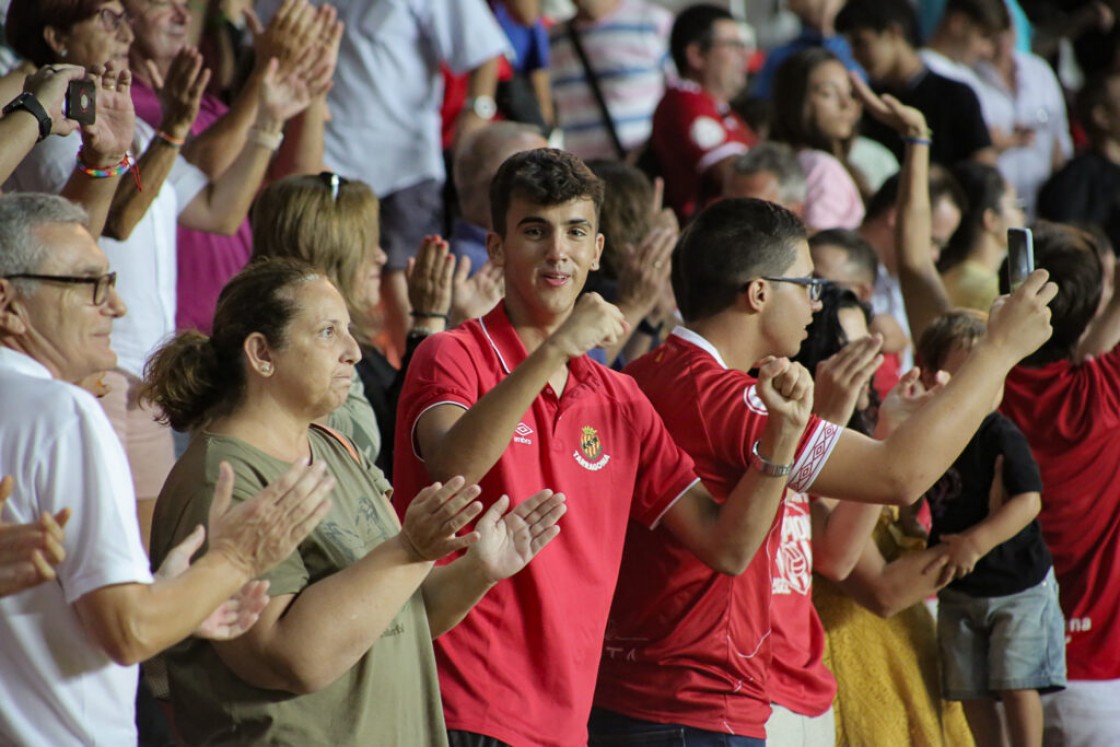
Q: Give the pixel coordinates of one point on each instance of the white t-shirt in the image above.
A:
(385, 120)
(145, 262)
(56, 686)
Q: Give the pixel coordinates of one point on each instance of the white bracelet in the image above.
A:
(265, 139)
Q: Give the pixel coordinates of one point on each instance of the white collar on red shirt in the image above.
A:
(503, 339)
(699, 341)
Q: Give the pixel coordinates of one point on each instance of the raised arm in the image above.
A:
(905, 464)
(727, 536)
(180, 93)
(453, 441)
(223, 204)
(922, 289)
(133, 622)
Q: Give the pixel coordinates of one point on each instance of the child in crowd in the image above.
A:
(999, 623)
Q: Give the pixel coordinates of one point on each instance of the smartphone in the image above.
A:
(81, 102)
(1020, 256)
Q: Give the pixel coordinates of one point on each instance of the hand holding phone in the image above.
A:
(80, 104)
(1020, 256)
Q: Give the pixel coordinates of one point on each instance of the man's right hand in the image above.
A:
(258, 533)
(1019, 323)
(593, 323)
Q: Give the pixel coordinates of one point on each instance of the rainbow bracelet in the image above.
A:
(126, 164)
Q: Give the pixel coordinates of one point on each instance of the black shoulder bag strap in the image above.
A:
(593, 81)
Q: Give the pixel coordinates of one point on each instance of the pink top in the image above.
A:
(832, 199)
(206, 261)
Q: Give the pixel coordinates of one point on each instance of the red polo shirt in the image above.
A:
(691, 133)
(521, 667)
(685, 644)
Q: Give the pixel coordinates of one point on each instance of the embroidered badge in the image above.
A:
(592, 456)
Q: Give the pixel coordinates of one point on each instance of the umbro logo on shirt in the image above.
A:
(521, 434)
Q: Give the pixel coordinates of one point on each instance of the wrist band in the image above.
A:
(126, 164)
(766, 467)
(428, 315)
(652, 330)
(270, 140)
(174, 142)
(918, 140)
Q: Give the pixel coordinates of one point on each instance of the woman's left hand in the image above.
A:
(282, 96)
(509, 540)
(233, 616)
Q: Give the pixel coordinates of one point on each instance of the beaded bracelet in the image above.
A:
(428, 315)
(918, 140)
(174, 142)
(126, 164)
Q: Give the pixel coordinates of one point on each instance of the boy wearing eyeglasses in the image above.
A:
(690, 646)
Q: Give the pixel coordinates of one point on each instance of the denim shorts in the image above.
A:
(1013, 642)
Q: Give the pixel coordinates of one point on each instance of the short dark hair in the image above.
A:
(825, 337)
(1072, 259)
(727, 244)
(956, 328)
(693, 25)
(792, 122)
(983, 187)
(878, 16)
(942, 185)
(990, 15)
(1094, 93)
(193, 378)
(544, 176)
(855, 246)
(27, 19)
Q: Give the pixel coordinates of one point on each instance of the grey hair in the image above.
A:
(780, 160)
(20, 214)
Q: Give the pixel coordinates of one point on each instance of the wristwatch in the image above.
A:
(484, 107)
(766, 467)
(27, 102)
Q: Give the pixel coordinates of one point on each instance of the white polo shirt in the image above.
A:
(56, 686)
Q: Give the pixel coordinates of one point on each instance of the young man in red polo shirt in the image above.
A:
(690, 647)
(512, 401)
(696, 135)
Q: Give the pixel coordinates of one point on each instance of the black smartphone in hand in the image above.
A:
(81, 102)
(1020, 256)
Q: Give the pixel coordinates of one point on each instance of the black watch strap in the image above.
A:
(28, 103)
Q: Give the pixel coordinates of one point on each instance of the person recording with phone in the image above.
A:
(42, 110)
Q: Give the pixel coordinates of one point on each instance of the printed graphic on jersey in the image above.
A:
(793, 566)
(707, 133)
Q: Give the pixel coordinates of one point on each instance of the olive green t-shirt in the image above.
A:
(390, 697)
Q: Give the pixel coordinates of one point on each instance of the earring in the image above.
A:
(63, 52)
(266, 368)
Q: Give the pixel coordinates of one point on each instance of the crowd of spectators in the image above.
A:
(717, 418)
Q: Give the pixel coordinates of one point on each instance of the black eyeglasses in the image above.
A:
(333, 182)
(101, 284)
(815, 286)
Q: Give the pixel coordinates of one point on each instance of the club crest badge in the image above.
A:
(590, 454)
